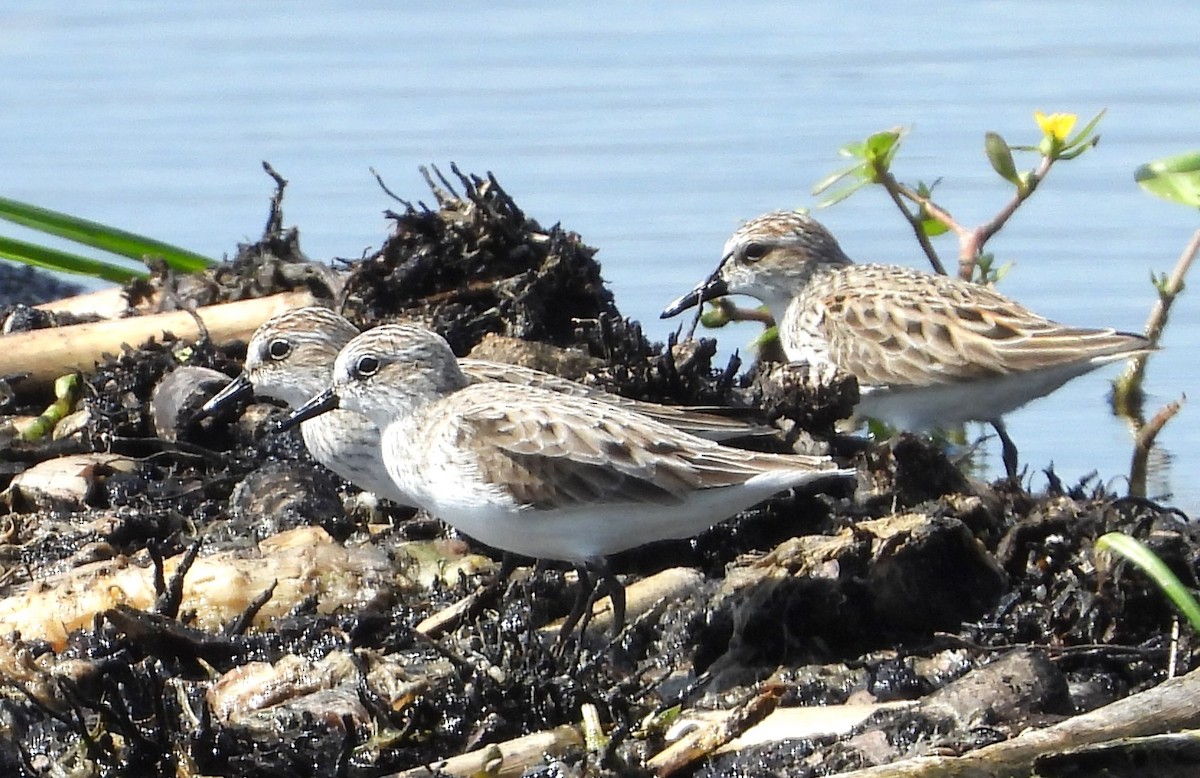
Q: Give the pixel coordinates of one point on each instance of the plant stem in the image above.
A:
(971, 249)
(970, 241)
(895, 190)
(1127, 389)
(1143, 442)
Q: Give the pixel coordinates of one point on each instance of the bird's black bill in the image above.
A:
(709, 289)
(325, 401)
(237, 389)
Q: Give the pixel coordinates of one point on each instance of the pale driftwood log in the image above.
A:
(108, 303)
(503, 760)
(648, 594)
(1168, 707)
(641, 597)
(46, 354)
(218, 587)
(792, 723)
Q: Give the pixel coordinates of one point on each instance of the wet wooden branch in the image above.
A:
(46, 354)
(1168, 707)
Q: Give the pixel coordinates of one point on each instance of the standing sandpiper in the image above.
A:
(539, 473)
(290, 359)
(927, 350)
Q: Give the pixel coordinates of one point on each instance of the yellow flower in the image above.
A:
(1057, 125)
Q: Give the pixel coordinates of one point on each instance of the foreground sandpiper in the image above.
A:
(542, 474)
(290, 359)
(927, 350)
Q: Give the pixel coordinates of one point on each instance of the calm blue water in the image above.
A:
(651, 133)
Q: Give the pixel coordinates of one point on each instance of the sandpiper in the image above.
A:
(290, 358)
(927, 350)
(543, 474)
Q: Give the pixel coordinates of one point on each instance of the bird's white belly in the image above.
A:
(941, 405)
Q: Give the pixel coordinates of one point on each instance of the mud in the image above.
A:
(303, 655)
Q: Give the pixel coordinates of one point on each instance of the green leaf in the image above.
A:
(1135, 551)
(833, 178)
(856, 149)
(1084, 135)
(1000, 155)
(714, 316)
(100, 236)
(881, 144)
(1174, 178)
(841, 194)
(1075, 152)
(765, 338)
(53, 259)
(933, 227)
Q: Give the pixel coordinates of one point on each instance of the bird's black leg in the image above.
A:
(1008, 450)
(508, 564)
(582, 605)
(615, 590)
(491, 590)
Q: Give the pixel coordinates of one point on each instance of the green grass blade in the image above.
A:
(1136, 552)
(53, 259)
(100, 236)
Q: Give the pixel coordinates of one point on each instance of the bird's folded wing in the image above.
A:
(574, 451)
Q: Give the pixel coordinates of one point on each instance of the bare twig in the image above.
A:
(895, 190)
(275, 217)
(510, 758)
(705, 740)
(1128, 387)
(733, 312)
(969, 252)
(970, 241)
(387, 191)
(1143, 442)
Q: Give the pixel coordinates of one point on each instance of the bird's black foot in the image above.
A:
(595, 578)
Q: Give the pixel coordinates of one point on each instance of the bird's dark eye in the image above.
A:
(754, 251)
(366, 366)
(278, 349)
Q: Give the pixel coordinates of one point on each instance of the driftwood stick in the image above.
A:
(108, 303)
(503, 760)
(46, 354)
(702, 742)
(1168, 707)
(648, 594)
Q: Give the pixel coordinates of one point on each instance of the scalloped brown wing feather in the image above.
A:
(916, 329)
(555, 451)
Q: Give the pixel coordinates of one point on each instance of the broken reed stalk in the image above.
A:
(44, 355)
